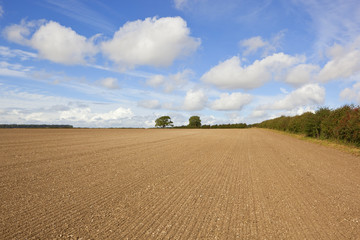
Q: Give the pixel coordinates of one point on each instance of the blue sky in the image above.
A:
(124, 63)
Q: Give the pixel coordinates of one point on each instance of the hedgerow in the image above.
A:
(342, 124)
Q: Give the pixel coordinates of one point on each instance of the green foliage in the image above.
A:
(234, 125)
(194, 122)
(313, 123)
(163, 122)
(342, 123)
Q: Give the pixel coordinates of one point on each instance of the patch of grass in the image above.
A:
(340, 145)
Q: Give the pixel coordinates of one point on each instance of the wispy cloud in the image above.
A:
(109, 83)
(180, 4)
(333, 21)
(1, 11)
(39, 107)
(209, 9)
(13, 70)
(255, 9)
(253, 44)
(171, 82)
(6, 52)
(82, 13)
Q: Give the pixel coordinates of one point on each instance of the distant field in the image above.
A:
(174, 184)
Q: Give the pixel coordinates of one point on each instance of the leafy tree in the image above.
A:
(163, 121)
(195, 122)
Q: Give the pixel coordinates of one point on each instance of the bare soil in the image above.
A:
(174, 184)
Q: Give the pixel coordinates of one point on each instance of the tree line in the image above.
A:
(341, 124)
(194, 122)
(34, 126)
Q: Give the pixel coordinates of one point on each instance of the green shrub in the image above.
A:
(342, 123)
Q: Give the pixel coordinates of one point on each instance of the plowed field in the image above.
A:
(174, 184)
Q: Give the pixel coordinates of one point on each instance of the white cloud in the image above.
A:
(310, 94)
(156, 80)
(344, 62)
(119, 113)
(11, 73)
(153, 42)
(110, 83)
(13, 70)
(231, 75)
(253, 44)
(36, 116)
(18, 106)
(283, 90)
(82, 12)
(76, 114)
(61, 44)
(234, 101)
(352, 94)
(234, 117)
(18, 33)
(53, 41)
(194, 100)
(335, 21)
(11, 53)
(180, 4)
(151, 104)
(301, 110)
(301, 74)
(86, 115)
(256, 113)
(208, 120)
(171, 82)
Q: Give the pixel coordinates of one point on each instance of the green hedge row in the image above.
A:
(233, 125)
(342, 124)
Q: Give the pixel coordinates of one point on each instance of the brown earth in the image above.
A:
(174, 184)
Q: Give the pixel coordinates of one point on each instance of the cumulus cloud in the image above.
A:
(352, 94)
(301, 74)
(86, 115)
(19, 33)
(230, 74)
(208, 120)
(151, 104)
(109, 83)
(53, 41)
(153, 42)
(310, 94)
(234, 101)
(119, 113)
(194, 100)
(344, 62)
(61, 44)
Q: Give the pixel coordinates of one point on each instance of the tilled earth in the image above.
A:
(174, 184)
